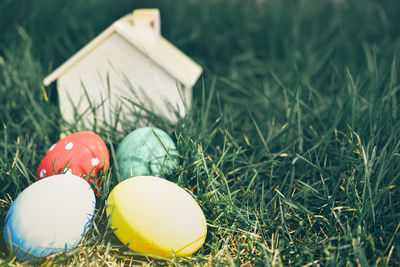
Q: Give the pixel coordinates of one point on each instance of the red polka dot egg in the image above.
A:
(81, 154)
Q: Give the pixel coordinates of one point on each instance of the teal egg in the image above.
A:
(147, 151)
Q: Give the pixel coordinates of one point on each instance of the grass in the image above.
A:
(291, 147)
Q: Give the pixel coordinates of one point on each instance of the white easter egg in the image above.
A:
(154, 216)
(50, 215)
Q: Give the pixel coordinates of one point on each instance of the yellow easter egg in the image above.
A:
(154, 216)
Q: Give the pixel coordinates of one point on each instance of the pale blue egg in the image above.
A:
(50, 216)
(147, 151)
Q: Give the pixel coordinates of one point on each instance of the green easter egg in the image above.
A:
(146, 151)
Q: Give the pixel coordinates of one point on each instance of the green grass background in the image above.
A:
(291, 147)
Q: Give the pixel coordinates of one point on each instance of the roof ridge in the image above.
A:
(160, 50)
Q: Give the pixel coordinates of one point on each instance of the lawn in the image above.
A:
(292, 145)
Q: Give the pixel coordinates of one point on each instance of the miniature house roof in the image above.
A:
(142, 30)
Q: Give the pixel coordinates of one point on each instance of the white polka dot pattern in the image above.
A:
(69, 146)
(42, 173)
(67, 171)
(95, 161)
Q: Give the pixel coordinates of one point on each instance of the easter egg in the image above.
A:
(81, 154)
(146, 151)
(49, 216)
(154, 216)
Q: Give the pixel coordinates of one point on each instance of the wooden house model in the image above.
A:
(128, 67)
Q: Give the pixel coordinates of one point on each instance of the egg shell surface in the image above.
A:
(81, 153)
(49, 216)
(154, 216)
(146, 151)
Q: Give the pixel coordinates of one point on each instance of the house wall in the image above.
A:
(114, 74)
